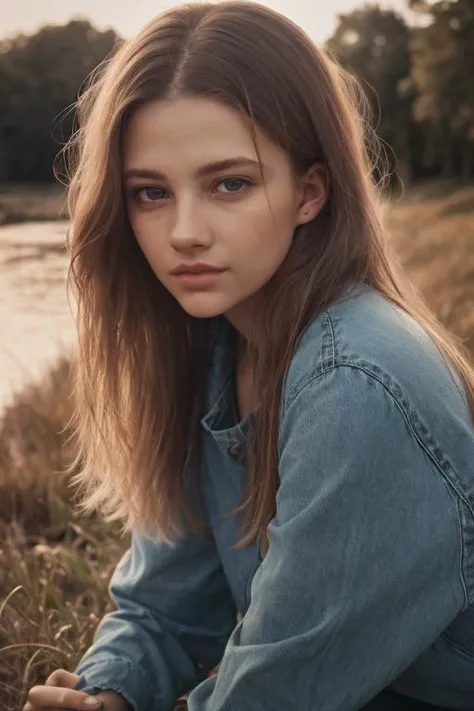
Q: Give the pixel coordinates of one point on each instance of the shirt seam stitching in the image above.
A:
(333, 340)
(315, 375)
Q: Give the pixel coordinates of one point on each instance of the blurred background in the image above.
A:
(416, 63)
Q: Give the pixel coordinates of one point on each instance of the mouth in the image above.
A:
(199, 279)
(198, 268)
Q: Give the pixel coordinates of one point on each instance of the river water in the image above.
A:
(36, 322)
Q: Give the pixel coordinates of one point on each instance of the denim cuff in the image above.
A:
(121, 676)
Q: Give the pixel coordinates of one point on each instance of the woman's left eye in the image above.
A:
(148, 194)
(233, 185)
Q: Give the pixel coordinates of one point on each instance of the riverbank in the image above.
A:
(31, 203)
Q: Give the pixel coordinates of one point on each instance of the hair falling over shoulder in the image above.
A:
(141, 364)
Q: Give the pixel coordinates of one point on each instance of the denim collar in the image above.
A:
(220, 420)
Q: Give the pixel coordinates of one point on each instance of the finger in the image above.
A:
(44, 696)
(61, 677)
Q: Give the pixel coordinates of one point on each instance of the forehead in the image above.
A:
(194, 129)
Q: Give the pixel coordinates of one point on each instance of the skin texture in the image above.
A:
(58, 693)
(233, 218)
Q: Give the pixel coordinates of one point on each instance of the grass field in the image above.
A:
(55, 564)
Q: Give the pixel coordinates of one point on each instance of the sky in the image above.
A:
(317, 17)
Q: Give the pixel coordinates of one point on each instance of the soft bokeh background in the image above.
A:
(416, 61)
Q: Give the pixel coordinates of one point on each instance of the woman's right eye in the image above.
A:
(149, 194)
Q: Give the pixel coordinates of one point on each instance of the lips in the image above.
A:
(200, 277)
(196, 269)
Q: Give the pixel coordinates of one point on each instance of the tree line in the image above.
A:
(419, 78)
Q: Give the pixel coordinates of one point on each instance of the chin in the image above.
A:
(203, 308)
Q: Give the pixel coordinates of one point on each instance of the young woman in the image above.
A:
(263, 398)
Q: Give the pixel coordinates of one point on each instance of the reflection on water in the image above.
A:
(36, 324)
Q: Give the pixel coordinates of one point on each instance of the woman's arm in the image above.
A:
(364, 566)
(174, 616)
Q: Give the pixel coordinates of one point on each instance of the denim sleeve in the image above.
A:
(173, 619)
(363, 570)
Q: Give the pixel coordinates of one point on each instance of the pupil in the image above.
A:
(233, 183)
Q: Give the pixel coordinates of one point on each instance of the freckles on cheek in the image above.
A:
(259, 228)
(265, 238)
(275, 222)
(144, 229)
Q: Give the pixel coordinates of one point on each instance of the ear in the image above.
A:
(313, 192)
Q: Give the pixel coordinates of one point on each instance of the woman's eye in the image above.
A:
(149, 194)
(233, 185)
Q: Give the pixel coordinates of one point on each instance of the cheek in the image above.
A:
(140, 222)
(269, 232)
(147, 233)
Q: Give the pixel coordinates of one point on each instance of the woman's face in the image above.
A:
(196, 200)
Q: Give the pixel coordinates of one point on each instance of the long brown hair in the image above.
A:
(142, 361)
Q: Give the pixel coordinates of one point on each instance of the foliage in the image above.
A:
(374, 45)
(421, 77)
(40, 77)
(442, 54)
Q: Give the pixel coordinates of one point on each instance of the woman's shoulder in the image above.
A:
(366, 332)
(372, 374)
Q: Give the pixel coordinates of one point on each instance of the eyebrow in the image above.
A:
(204, 170)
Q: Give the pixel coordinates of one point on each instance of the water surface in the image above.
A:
(36, 323)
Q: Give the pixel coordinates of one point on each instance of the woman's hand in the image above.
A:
(59, 693)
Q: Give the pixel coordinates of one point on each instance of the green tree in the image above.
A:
(373, 44)
(40, 77)
(442, 52)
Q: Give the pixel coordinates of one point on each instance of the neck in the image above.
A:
(242, 318)
(244, 348)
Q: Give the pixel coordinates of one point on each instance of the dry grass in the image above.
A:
(55, 565)
(434, 235)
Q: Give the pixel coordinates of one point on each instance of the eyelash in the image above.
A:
(140, 188)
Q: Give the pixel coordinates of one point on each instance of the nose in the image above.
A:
(190, 230)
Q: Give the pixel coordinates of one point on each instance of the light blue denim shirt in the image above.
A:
(368, 581)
